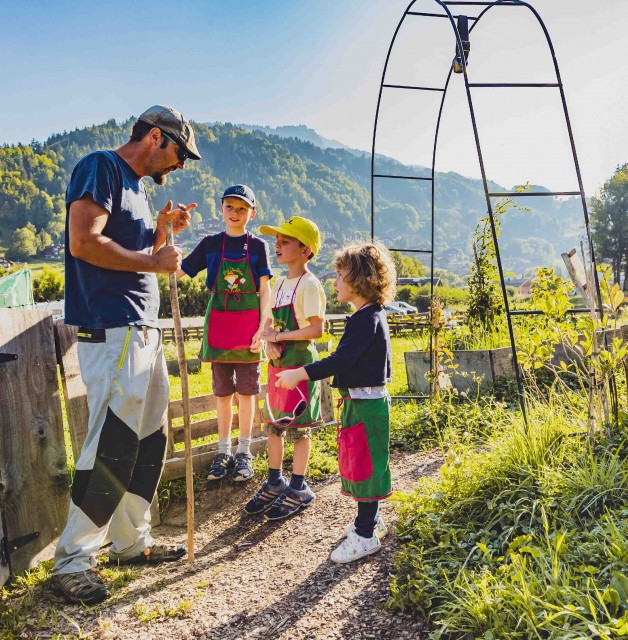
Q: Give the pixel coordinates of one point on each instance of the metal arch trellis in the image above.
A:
(461, 60)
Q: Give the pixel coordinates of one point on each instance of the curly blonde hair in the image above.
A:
(371, 272)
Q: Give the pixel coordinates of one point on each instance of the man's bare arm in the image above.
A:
(87, 242)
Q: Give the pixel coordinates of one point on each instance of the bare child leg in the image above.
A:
(225, 418)
(275, 451)
(301, 457)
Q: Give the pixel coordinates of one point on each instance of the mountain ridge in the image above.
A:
(292, 176)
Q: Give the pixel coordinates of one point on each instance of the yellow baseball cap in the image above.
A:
(297, 227)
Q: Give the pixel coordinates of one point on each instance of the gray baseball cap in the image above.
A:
(170, 121)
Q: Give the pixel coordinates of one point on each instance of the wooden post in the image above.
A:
(34, 491)
(185, 397)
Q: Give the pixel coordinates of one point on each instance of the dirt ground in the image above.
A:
(255, 579)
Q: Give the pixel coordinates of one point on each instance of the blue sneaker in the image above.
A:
(290, 501)
(221, 466)
(265, 496)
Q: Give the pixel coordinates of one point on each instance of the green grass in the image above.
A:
(524, 534)
(19, 599)
(37, 267)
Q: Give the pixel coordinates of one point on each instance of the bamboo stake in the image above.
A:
(185, 399)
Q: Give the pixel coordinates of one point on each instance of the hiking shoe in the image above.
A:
(243, 469)
(153, 555)
(265, 496)
(354, 547)
(380, 528)
(289, 502)
(221, 466)
(84, 586)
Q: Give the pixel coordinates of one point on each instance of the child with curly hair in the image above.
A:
(361, 366)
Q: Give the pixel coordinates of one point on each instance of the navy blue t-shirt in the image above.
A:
(208, 252)
(100, 298)
(363, 357)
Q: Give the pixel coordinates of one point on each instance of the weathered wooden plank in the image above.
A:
(74, 390)
(34, 493)
(201, 404)
(200, 429)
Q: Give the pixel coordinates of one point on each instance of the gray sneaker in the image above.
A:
(83, 586)
(243, 469)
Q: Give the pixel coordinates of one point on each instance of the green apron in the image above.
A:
(295, 354)
(363, 443)
(232, 315)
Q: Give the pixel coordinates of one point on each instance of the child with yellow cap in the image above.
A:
(298, 314)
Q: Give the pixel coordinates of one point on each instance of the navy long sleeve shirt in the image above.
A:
(364, 355)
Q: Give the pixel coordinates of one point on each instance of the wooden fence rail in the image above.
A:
(397, 324)
(76, 403)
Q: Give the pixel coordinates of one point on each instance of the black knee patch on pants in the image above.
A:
(98, 491)
(150, 459)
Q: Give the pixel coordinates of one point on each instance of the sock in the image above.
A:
(244, 445)
(366, 518)
(274, 476)
(297, 482)
(224, 445)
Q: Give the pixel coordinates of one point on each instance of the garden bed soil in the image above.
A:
(254, 579)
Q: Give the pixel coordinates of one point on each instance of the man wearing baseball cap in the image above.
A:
(113, 253)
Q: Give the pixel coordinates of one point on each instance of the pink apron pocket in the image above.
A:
(232, 330)
(285, 400)
(354, 455)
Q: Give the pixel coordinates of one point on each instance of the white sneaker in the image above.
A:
(380, 528)
(354, 547)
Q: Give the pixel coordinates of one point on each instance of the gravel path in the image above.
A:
(254, 579)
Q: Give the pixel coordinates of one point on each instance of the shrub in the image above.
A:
(48, 286)
(193, 296)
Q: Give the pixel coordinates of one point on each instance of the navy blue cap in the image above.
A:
(240, 191)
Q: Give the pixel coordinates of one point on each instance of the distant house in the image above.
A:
(53, 251)
(525, 288)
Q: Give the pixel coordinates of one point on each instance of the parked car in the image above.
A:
(404, 305)
(395, 309)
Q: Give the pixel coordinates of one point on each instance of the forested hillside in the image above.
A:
(290, 176)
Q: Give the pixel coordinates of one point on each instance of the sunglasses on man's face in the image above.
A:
(182, 154)
(285, 421)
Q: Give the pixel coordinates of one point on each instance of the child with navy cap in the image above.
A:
(238, 274)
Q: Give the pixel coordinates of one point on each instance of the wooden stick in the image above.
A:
(185, 402)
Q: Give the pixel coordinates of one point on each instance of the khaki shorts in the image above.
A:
(291, 434)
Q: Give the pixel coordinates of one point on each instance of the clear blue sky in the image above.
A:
(68, 64)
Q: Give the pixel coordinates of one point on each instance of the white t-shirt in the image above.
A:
(309, 300)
